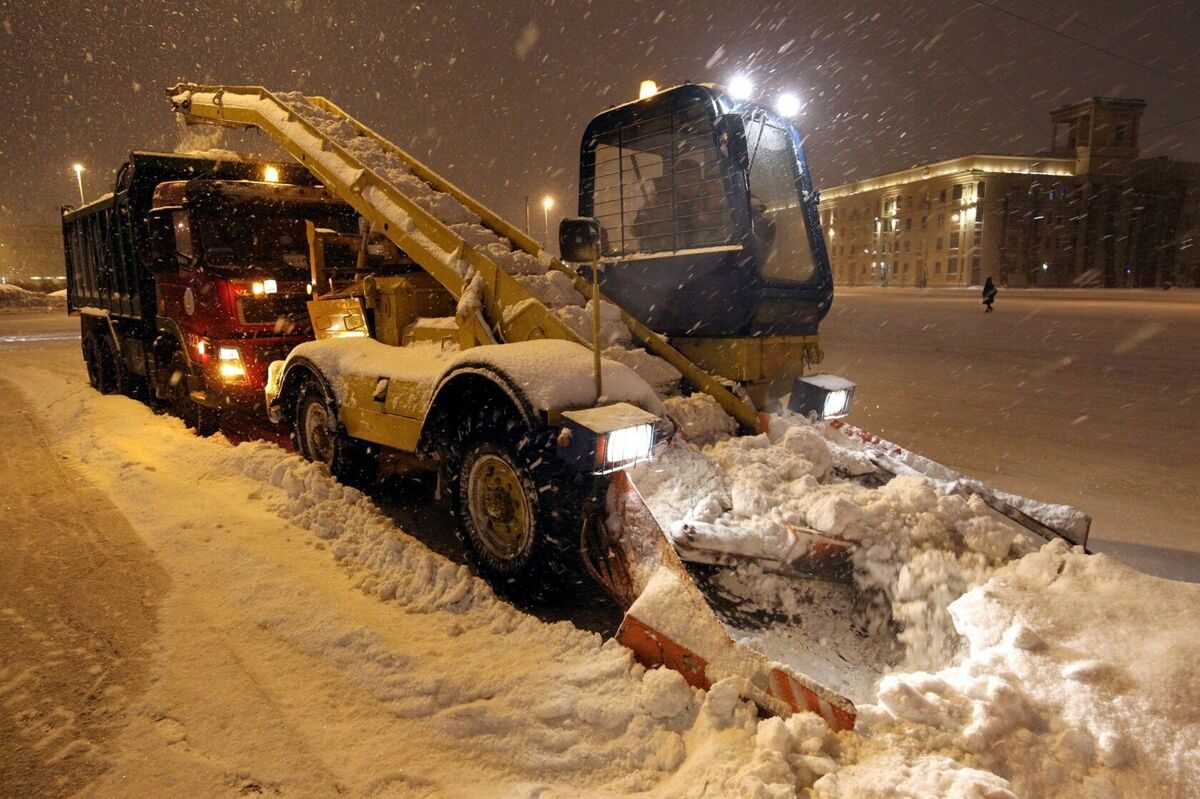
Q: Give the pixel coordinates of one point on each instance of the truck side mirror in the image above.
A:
(735, 130)
(579, 239)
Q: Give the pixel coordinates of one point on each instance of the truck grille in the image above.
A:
(289, 308)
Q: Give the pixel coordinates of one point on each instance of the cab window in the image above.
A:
(777, 216)
(659, 186)
(183, 234)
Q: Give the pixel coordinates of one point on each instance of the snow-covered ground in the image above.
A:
(302, 644)
(15, 298)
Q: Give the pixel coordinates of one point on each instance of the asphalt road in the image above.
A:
(1077, 397)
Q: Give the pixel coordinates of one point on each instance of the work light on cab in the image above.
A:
(607, 438)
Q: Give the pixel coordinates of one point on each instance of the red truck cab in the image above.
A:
(239, 295)
(192, 276)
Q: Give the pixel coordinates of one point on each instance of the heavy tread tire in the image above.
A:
(108, 378)
(351, 461)
(91, 357)
(123, 382)
(205, 421)
(208, 420)
(557, 495)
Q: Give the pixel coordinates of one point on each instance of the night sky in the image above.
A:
(496, 94)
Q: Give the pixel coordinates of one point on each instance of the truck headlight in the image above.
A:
(827, 396)
(229, 364)
(261, 287)
(607, 438)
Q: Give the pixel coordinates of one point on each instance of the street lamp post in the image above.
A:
(547, 204)
(79, 177)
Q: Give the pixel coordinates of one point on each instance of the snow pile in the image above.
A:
(16, 297)
(699, 418)
(1080, 682)
(916, 550)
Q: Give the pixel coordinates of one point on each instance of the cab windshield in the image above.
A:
(268, 237)
(658, 184)
(778, 219)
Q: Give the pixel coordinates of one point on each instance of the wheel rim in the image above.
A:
(499, 507)
(317, 433)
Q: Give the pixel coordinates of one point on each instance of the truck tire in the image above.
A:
(108, 377)
(519, 509)
(91, 357)
(318, 437)
(205, 421)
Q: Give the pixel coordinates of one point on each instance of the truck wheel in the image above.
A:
(108, 367)
(122, 381)
(519, 509)
(91, 358)
(205, 421)
(318, 438)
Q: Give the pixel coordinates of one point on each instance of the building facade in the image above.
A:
(1089, 211)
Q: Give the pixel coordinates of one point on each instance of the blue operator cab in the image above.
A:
(710, 230)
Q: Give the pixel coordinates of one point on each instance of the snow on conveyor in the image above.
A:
(551, 287)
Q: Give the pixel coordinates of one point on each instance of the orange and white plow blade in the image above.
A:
(668, 622)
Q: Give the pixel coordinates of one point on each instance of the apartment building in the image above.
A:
(1089, 211)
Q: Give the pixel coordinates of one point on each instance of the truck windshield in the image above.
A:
(776, 211)
(269, 237)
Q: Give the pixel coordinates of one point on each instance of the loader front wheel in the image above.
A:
(519, 509)
(499, 501)
(318, 437)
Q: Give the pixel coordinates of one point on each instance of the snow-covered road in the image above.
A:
(188, 617)
(1066, 396)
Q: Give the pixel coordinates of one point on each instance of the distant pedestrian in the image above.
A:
(989, 294)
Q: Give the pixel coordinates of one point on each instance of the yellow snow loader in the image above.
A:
(695, 269)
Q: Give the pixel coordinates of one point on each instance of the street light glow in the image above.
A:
(788, 105)
(741, 87)
(547, 204)
(648, 89)
(79, 179)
